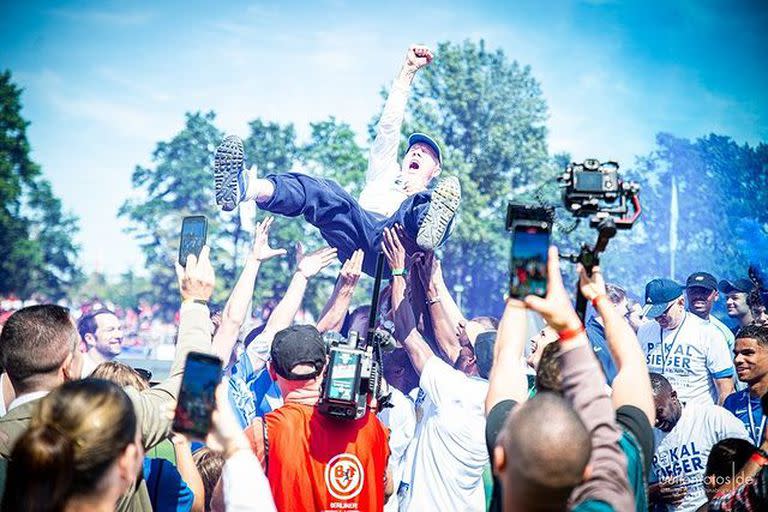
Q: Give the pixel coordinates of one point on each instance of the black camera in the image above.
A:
(355, 365)
(591, 187)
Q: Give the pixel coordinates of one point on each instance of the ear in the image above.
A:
(436, 172)
(587, 473)
(129, 463)
(89, 339)
(71, 368)
(499, 460)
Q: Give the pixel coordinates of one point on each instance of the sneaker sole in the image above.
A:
(227, 170)
(442, 208)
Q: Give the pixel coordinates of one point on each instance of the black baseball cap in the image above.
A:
(299, 344)
(737, 285)
(701, 279)
(659, 295)
(429, 141)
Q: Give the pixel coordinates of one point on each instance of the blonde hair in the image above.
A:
(121, 374)
(78, 431)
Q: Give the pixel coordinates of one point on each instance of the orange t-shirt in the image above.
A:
(316, 463)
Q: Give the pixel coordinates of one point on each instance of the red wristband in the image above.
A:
(758, 459)
(597, 299)
(569, 334)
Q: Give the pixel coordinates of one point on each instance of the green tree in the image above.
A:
(40, 255)
(489, 114)
(722, 224)
(179, 184)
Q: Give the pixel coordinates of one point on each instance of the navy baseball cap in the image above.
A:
(429, 141)
(701, 279)
(659, 295)
(299, 344)
(737, 285)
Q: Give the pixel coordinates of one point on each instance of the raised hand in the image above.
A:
(556, 307)
(309, 265)
(260, 249)
(352, 269)
(417, 57)
(392, 247)
(197, 279)
(591, 286)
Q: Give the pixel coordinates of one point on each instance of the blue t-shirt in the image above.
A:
(740, 403)
(596, 335)
(167, 490)
(252, 393)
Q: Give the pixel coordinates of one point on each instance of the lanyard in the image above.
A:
(757, 436)
(671, 346)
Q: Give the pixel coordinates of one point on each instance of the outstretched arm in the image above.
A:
(405, 323)
(237, 307)
(632, 386)
(584, 387)
(441, 308)
(332, 317)
(383, 153)
(282, 316)
(507, 380)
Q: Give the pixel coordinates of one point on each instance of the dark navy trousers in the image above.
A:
(341, 221)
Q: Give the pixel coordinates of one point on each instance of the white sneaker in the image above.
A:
(443, 205)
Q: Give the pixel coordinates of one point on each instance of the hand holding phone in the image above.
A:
(528, 264)
(194, 235)
(202, 375)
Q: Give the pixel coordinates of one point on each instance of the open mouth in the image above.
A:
(414, 165)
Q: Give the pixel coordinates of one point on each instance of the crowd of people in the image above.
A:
(640, 406)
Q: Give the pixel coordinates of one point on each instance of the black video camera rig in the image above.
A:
(355, 366)
(596, 190)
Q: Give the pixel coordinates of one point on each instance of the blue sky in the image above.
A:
(105, 81)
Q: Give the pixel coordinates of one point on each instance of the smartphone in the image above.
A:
(528, 264)
(194, 234)
(202, 374)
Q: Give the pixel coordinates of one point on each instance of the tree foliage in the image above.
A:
(489, 113)
(39, 253)
(723, 221)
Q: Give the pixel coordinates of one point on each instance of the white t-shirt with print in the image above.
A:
(447, 456)
(691, 356)
(682, 453)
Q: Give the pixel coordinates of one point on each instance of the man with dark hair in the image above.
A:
(684, 438)
(691, 353)
(39, 349)
(758, 307)
(701, 291)
(393, 194)
(752, 368)
(313, 461)
(542, 454)
(736, 293)
(102, 334)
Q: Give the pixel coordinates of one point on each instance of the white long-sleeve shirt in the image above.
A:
(384, 191)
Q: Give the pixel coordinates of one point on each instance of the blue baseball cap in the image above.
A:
(737, 285)
(429, 141)
(659, 295)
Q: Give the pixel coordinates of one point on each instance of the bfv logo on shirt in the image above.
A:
(344, 476)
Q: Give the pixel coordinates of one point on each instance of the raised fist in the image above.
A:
(417, 57)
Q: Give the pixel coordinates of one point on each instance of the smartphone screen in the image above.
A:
(194, 231)
(528, 272)
(343, 376)
(202, 374)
